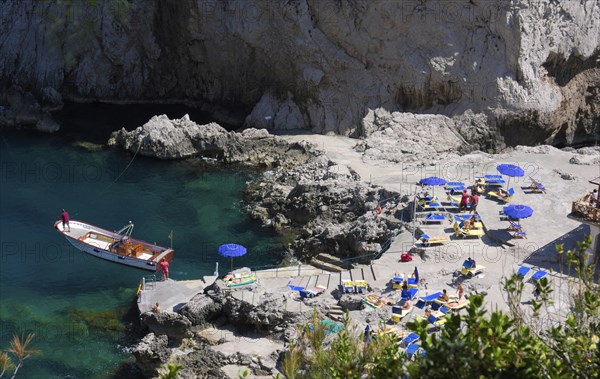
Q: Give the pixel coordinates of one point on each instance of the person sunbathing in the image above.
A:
(427, 311)
(444, 296)
(502, 193)
(407, 305)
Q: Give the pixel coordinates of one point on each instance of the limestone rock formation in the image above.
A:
(20, 109)
(197, 360)
(175, 326)
(150, 353)
(529, 67)
(200, 309)
(164, 138)
(327, 206)
(265, 312)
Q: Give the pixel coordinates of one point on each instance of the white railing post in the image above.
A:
(144, 283)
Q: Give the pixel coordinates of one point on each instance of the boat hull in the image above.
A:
(100, 247)
(110, 256)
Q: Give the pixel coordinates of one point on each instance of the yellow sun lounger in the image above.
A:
(456, 306)
(426, 240)
(361, 286)
(462, 232)
(497, 196)
(472, 271)
(398, 313)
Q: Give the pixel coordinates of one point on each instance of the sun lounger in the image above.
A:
(462, 232)
(430, 298)
(506, 199)
(536, 187)
(409, 339)
(523, 271)
(427, 198)
(433, 218)
(464, 217)
(514, 226)
(348, 286)
(312, 292)
(487, 177)
(426, 240)
(293, 287)
(397, 282)
(519, 234)
(471, 271)
(413, 351)
(434, 205)
(436, 319)
(412, 283)
(409, 294)
(361, 286)
(538, 275)
(241, 280)
(398, 313)
(375, 301)
(456, 306)
(495, 182)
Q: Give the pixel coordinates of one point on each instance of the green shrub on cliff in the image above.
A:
(478, 344)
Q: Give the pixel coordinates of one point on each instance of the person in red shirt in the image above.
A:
(64, 216)
(164, 267)
(464, 200)
(474, 202)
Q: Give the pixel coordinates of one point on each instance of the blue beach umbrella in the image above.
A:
(510, 170)
(518, 211)
(432, 181)
(232, 250)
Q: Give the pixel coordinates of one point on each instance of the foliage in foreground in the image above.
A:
(19, 349)
(481, 344)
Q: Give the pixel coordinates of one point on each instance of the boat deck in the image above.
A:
(97, 243)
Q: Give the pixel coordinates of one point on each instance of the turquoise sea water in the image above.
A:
(75, 304)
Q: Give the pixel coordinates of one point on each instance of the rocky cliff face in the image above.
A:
(530, 67)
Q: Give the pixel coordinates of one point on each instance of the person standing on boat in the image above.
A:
(64, 216)
(164, 267)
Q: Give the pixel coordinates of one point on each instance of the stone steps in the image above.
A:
(336, 313)
(327, 266)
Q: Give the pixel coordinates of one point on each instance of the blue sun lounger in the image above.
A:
(431, 217)
(538, 275)
(293, 287)
(465, 217)
(409, 294)
(413, 350)
(412, 282)
(410, 339)
(430, 298)
(523, 271)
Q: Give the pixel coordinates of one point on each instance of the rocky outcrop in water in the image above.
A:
(531, 68)
(164, 138)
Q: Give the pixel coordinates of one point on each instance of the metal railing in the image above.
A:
(148, 282)
(297, 269)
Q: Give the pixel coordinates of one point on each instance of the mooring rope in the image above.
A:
(125, 169)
